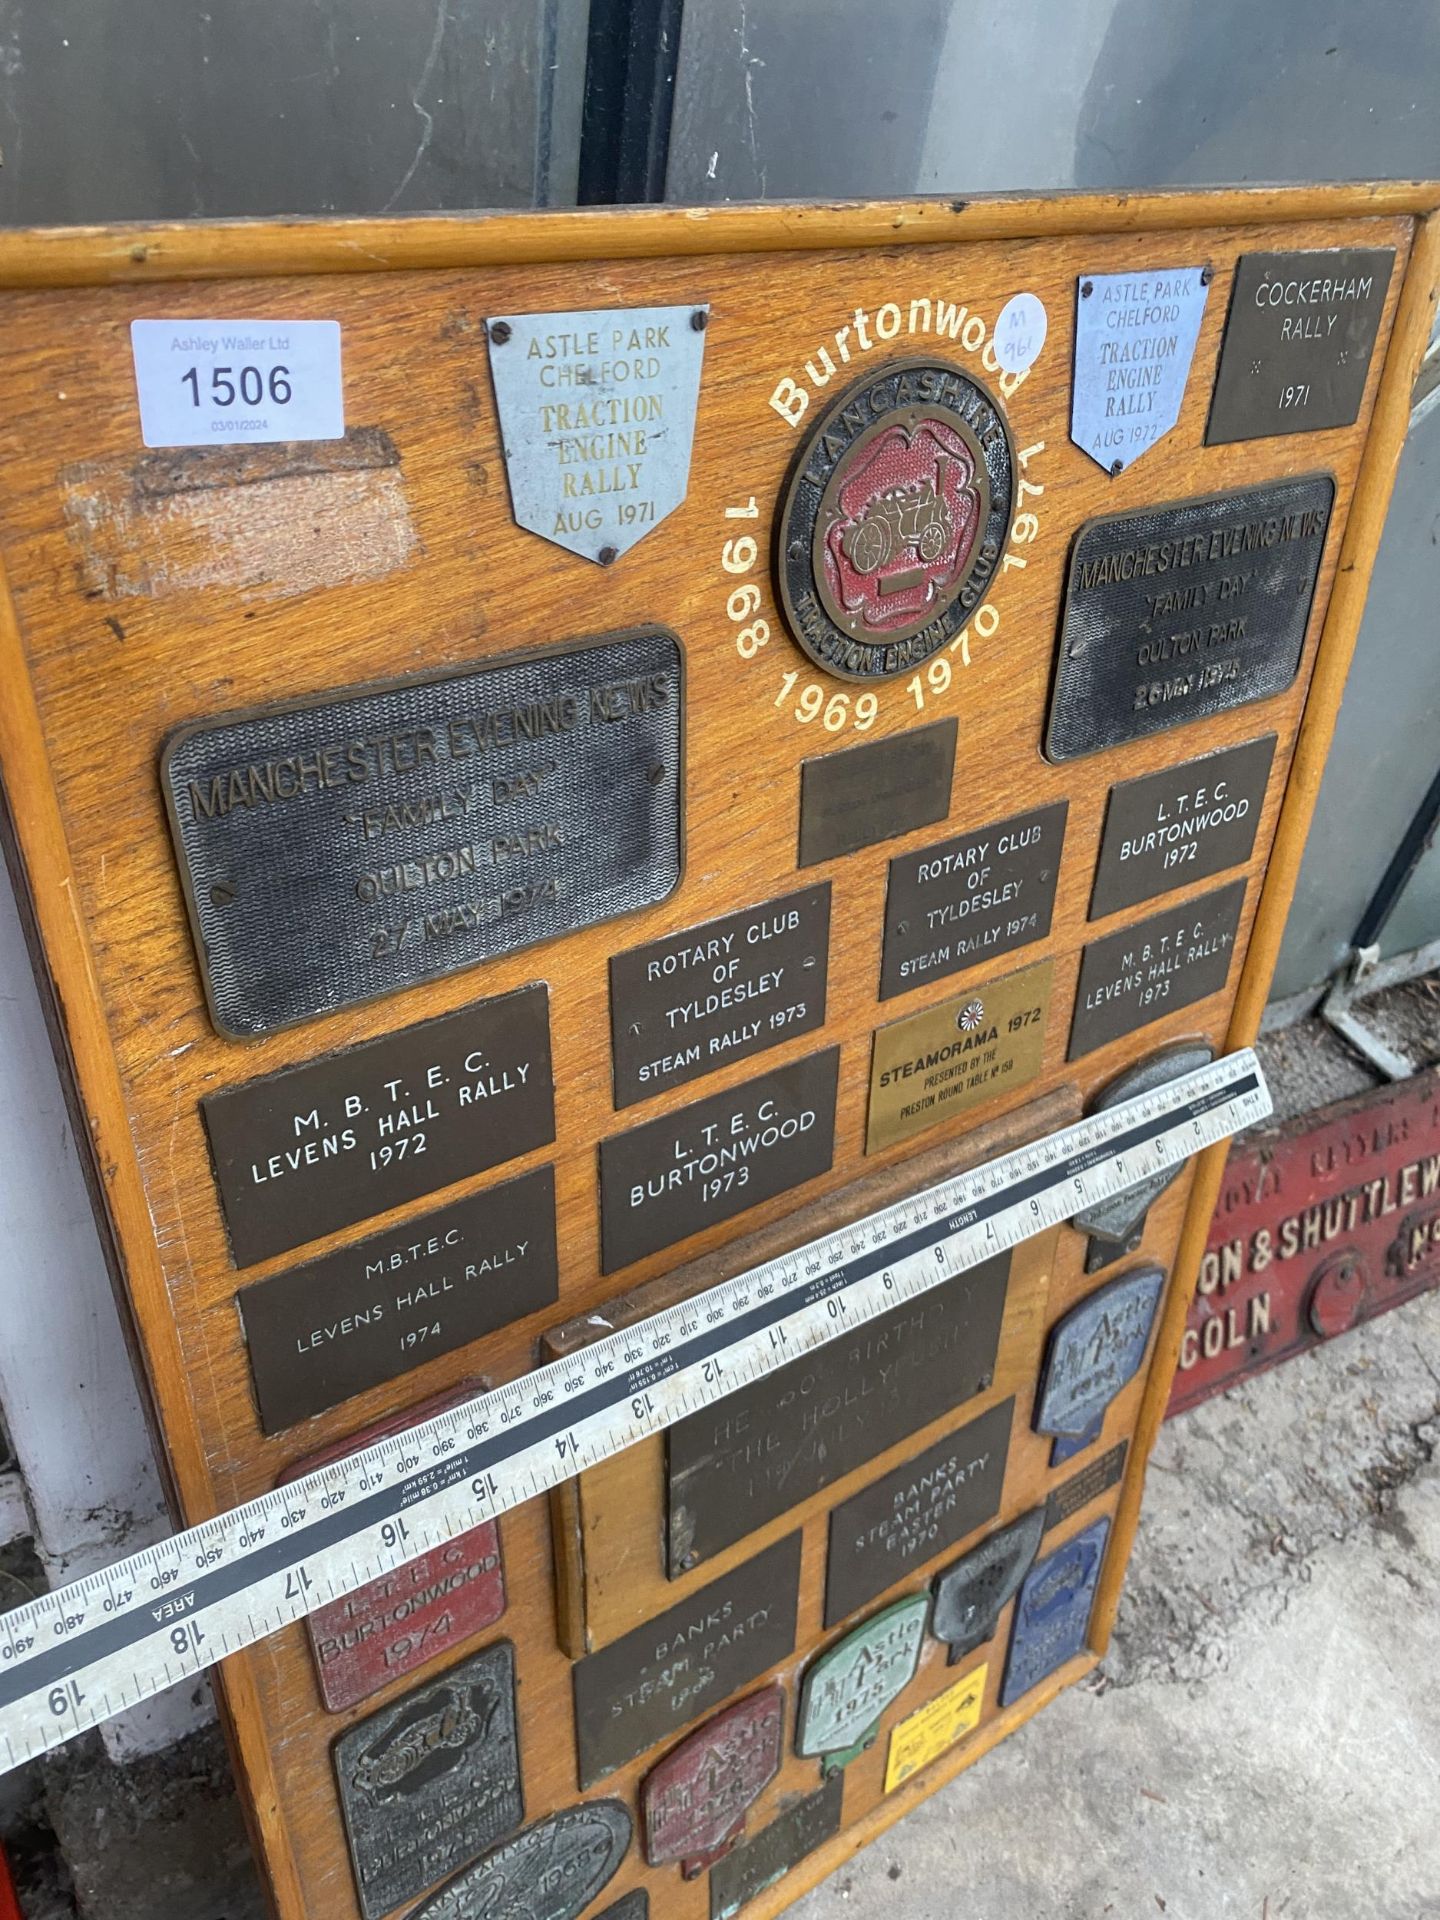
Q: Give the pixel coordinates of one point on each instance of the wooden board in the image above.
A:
(142, 595)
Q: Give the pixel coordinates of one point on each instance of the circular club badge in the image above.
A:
(894, 519)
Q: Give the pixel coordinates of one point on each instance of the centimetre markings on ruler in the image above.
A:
(76, 1656)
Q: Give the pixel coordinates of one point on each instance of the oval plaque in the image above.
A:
(551, 1871)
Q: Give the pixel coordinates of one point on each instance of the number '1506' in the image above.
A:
(250, 385)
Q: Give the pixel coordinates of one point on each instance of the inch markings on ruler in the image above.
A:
(77, 1656)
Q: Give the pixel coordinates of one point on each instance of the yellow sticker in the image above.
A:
(933, 1728)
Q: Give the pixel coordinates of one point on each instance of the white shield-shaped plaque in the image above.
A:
(597, 416)
(1135, 337)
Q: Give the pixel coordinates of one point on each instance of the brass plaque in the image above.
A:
(1072, 1496)
(978, 1046)
(803, 1826)
(315, 1147)
(861, 795)
(1298, 340)
(1155, 967)
(336, 850)
(695, 1001)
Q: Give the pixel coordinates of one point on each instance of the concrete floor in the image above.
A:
(1263, 1741)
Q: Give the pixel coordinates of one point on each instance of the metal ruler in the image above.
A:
(75, 1657)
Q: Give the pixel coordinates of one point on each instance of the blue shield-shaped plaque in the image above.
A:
(1092, 1353)
(1052, 1615)
(597, 417)
(1135, 337)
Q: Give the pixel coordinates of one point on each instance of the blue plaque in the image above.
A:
(597, 417)
(1092, 1353)
(1135, 337)
(1052, 1615)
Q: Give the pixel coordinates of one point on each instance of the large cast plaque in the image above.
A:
(431, 1780)
(669, 1178)
(342, 849)
(1155, 967)
(1177, 612)
(759, 1452)
(695, 1001)
(1182, 824)
(372, 1310)
(657, 1679)
(1298, 341)
(336, 1140)
(915, 1511)
(964, 901)
(551, 1871)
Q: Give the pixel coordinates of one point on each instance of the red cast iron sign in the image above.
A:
(694, 1803)
(1320, 1224)
(408, 1617)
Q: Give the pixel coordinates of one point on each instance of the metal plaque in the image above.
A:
(1178, 612)
(663, 1181)
(742, 1876)
(917, 1510)
(766, 1447)
(431, 1780)
(971, 1594)
(662, 1676)
(697, 1000)
(1052, 1615)
(693, 1805)
(1182, 824)
(1135, 337)
(551, 1871)
(934, 1728)
(964, 901)
(403, 1620)
(1321, 1224)
(1092, 1353)
(1081, 1488)
(1298, 341)
(597, 416)
(1116, 1226)
(634, 1905)
(336, 850)
(372, 1310)
(977, 1047)
(321, 1145)
(847, 1689)
(894, 519)
(862, 795)
(1155, 967)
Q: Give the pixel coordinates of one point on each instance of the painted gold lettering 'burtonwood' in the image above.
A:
(665, 1180)
(551, 1871)
(1179, 825)
(597, 409)
(693, 1805)
(657, 1679)
(409, 1617)
(694, 1001)
(321, 1145)
(431, 1780)
(763, 1449)
(805, 1825)
(370, 1311)
(1178, 612)
(1298, 341)
(971, 1049)
(1155, 967)
(849, 1686)
(916, 1511)
(964, 901)
(894, 519)
(336, 850)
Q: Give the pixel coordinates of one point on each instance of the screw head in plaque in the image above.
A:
(894, 519)
(1135, 337)
(597, 419)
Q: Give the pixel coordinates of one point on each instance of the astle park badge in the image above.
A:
(894, 519)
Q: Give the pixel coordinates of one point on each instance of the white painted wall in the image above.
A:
(66, 1385)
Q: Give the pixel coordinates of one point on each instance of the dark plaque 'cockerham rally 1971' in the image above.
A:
(894, 519)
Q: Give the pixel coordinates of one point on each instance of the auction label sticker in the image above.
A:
(208, 383)
(934, 1728)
